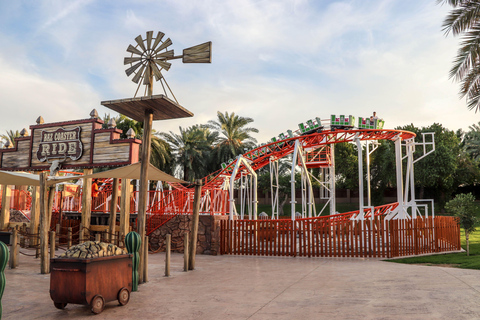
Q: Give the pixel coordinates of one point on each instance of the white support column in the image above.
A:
(360, 179)
(399, 174)
(333, 204)
(292, 179)
(274, 187)
(242, 161)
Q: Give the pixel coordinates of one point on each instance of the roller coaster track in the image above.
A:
(260, 157)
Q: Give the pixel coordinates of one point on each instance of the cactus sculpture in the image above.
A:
(133, 242)
(3, 263)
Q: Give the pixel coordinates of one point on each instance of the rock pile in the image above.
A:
(93, 249)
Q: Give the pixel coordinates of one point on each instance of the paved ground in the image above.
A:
(242, 287)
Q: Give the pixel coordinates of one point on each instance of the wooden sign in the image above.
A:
(59, 144)
(76, 144)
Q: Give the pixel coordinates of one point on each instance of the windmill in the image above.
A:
(150, 56)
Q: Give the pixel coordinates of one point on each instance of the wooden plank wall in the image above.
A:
(318, 237)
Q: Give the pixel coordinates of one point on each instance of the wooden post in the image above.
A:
(35, 216)
(185, 251)
(69, 238)
(37, 246)
(142, 197)
(80, 233)
(5, 211)
(97, 237)
(168, 241)
(44, 224)
(125, 207)
(52, 244)
(86, 204)
(14, 249)
(57, 235)
(145, 276)
(195, 218)
(113, 208)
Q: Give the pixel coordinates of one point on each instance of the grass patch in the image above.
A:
(459, 260)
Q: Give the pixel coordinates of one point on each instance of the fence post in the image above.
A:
(37, 247)
(57, 238)
(80, 233)
(14, 249)
(168, 240)
(145, 259)
(97, 237)
(69, 238)
(185, 251)
(195, 218)
(52, 244)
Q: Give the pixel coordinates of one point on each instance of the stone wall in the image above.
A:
(208, 234)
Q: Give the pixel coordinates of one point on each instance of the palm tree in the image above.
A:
(471, 141)
(235, 136)
(464, 20)
(192, 150)
(10, 135)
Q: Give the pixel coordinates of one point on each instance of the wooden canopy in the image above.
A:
(162, 107)
(19, 178)
(127, 172)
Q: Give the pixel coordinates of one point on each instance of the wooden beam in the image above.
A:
(195, 218)
(86, 204)
(5, 212)
(35, 215)
(44, 224)
(142, 197)
(125, 208)
(113, 209)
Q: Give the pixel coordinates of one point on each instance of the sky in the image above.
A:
(280, 62)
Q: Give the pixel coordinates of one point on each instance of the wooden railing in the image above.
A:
(320, 237)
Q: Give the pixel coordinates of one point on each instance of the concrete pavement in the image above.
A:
(244, 287)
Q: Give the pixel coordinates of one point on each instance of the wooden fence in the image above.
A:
(320, 237)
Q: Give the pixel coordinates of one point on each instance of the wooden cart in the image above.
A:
(92, 281)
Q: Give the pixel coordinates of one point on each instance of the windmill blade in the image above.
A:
(139, 40)
(149, 39)
(201, 53)
(166, 54)
(137, 77)
(167, 43)
(128, 60)
(148, 72)
(157, 39)
(132, 69)
(132, 49)
(158, 75)
(165, 65)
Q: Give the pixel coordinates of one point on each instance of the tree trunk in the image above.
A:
(466, 238)
(280, 206)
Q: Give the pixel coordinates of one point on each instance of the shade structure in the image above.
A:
(19, 178)
(127, 172)
(162, 107)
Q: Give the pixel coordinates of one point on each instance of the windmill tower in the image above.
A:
(148, 58)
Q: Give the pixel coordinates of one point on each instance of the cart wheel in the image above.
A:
(123, 296)
(59, 305)
(97, 304)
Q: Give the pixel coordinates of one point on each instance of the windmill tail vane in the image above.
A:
(151, 55)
